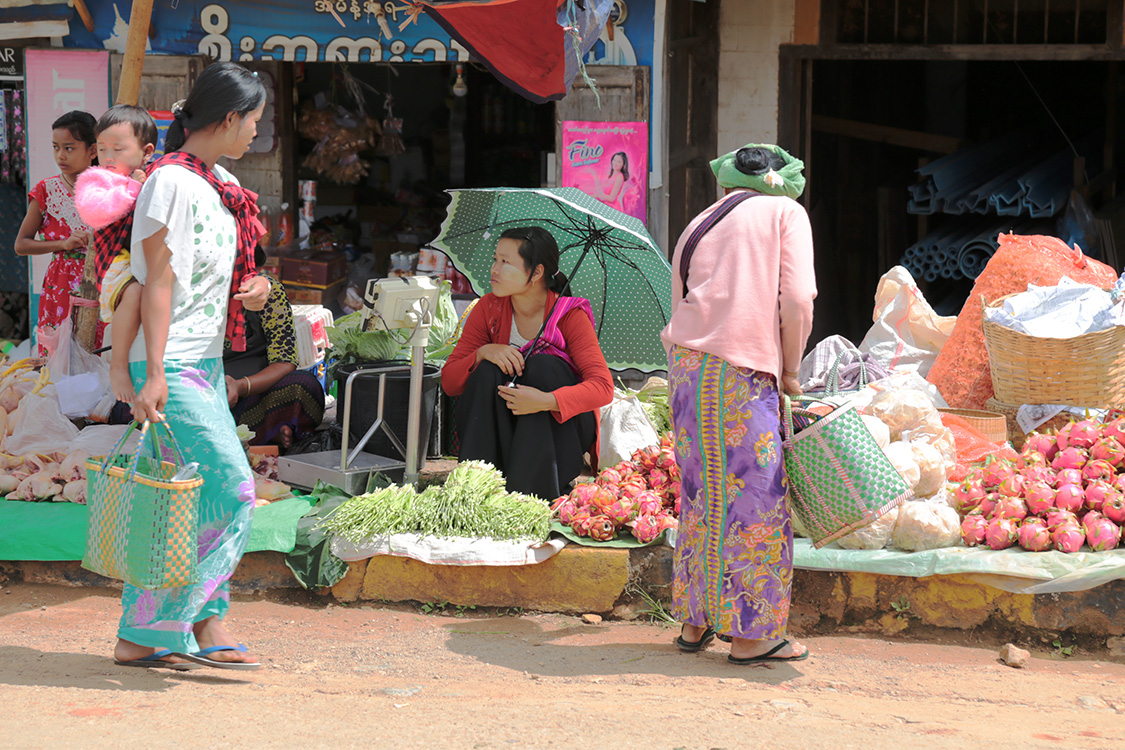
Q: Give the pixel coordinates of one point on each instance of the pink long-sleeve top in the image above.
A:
(751, 286)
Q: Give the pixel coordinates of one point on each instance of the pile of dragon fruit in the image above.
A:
(640, 496)
(1065, 490)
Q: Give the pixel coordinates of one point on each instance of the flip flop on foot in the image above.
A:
(200, 657)
(691, 647)
(155, 660)
(769, 656)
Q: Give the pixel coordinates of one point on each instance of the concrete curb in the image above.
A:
(607, 581)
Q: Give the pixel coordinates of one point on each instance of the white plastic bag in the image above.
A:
(81, 378)
(625, 429)
(907, 334)
(873, 536)
(38, 426)
(901, 456)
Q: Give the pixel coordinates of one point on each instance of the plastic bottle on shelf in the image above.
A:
(285, 233)
(265, 219)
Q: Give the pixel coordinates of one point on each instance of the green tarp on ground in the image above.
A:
(1014, 570)
(51, 532)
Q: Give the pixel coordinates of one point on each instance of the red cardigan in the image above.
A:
(490, 322)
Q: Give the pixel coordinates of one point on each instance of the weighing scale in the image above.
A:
(405, 303)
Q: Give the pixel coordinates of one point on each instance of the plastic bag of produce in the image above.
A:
(926, 524)
(874, 536)
(932, 468)
(902, 458)
(904, 409)
(879, 430)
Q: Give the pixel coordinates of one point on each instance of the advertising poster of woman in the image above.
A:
(609, 161)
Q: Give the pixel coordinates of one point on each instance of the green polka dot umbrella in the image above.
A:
(608, 256)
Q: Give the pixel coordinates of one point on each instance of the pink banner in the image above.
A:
(58, 81)
(609, 161)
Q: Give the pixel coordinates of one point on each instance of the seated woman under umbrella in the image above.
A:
(528, 371)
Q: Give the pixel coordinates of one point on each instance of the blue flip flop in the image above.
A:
(155, 660)
(200, 657)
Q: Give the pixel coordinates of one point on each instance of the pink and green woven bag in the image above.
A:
(143, 523)
(839, 478)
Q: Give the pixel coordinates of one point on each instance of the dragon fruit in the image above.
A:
(646, 458)
(1070, 497)
(1034, 536)
(658, 480)
(1084, 434)
(1070, 458)
(1010, 507)
(1031, 459)
(666, 521)
(666, 460)
(1042, 444)
(602, 499)
(1001, 533)
(631, 488)
(1103, 535)
(1038, 474)
(583, 494)
(973, 528)
(646, 528)
(609, 478)
(1090, 519)
(1068, 476)
(601, 529)
(672, 492)
(1097, 492)
(649, 503)
(995, 472)
(1109, 450)
(988, 503)
(967, 496)
(623, 511)
(1099, 470)
(580, 521)
(1058, 517)
(1114, 509)
(566, 511)
(1062, 437)
(1068, 537)
(1115, 430)
(1012, 486)
(1040, 497)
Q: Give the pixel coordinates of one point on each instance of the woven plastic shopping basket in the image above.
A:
(839, 478)
(143, 524)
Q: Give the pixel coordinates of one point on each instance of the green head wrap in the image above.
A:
(787, 181)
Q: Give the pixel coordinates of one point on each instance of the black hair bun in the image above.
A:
(755, 161)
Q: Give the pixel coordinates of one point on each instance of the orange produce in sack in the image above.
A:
(961, 370)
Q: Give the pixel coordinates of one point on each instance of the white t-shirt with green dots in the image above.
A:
(202, 239)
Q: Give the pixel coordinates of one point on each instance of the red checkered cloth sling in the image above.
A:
(243, 205)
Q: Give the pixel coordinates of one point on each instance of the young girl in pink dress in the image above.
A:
(51, 213)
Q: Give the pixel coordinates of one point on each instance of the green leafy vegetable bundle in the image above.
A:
(472, 503)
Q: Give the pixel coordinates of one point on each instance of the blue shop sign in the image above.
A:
(326, 30)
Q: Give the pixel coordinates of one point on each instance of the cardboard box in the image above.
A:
(319, 269)
(311, 295)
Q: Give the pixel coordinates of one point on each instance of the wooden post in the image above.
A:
(85, 316)
(129, 89)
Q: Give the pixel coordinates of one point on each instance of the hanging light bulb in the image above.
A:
(459, 87)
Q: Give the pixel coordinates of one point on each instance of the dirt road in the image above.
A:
(375, 677)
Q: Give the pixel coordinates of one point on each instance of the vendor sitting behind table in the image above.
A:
(537, 430)
(266, 391)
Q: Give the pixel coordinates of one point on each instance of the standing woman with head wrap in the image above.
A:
(193, 238)
(742, 303)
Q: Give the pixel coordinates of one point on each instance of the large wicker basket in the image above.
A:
(988, 423)
(1087, 370)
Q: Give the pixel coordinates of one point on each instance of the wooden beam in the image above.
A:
(84, 14)
(129, 90)
(806, 22)
(941, 144)
(1000, 52)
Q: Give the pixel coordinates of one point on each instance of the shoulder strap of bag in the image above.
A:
(703, 228)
